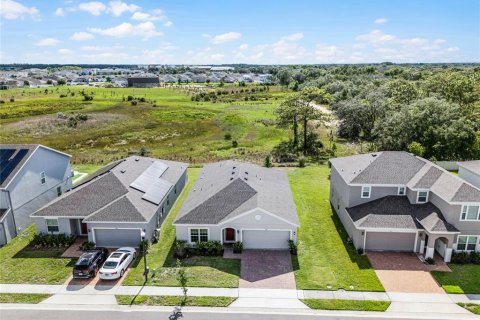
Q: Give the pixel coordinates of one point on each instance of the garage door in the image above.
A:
(115, 238)
(390, 241)
(263, 239)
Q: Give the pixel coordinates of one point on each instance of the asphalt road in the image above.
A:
(28, 314)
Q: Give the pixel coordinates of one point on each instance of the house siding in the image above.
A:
(469, 176)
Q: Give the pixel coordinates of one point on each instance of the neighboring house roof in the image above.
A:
(226, 189)
(396, 212)
(473, 166)
(402, 168)
(14, 156)
(108, 195)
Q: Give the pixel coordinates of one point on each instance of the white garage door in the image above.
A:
(390, 241)
(263, 239)
(115, 238)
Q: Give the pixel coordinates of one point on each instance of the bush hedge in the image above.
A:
(466, 258)
(47, 240)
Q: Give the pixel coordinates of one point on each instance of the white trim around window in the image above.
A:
(402, 191)
(198, 233)
(52, 225)
(470, 212)
(366, 192)
(467, 243)
(422, 196)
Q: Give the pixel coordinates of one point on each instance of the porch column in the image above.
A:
(430, 247)
(422, 243)
(448, 254)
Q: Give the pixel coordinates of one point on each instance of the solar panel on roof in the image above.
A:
(7, 169)
(5, 154)
(149, 176)
(157, 191)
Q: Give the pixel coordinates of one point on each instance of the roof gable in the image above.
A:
(121, 210)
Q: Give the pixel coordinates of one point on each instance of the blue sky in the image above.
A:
(242, 31)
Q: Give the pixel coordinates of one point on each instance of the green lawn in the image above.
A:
(22, 265)
(325, 260)
(201, 271)
(462, 279)
(32, 298)
(473, 308)
(354, 305)
(175, 301)
(86, 168)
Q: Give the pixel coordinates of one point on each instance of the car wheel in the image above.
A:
(134, 256)
(121, 273)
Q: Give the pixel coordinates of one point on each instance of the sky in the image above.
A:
(242, 31)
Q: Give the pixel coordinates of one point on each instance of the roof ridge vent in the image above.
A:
(137, 159)
(123, 170)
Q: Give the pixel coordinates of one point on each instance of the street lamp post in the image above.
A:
(144, 248)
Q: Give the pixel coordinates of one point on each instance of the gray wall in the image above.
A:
(7, 229)
(469, 176)
(27, 192)
(355, 194)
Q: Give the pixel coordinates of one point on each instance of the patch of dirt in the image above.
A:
(51, 124)
(252, 135)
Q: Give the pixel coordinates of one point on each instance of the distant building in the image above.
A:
(143, 82)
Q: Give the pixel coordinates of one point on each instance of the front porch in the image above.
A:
(441, 244)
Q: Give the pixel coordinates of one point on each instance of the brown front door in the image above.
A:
(83, 228)
(229, 234)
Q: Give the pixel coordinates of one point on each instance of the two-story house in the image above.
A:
(470, 172)
(395, 201)
(31, 175)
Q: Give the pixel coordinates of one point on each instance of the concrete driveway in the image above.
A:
(404, 272)
(267, 269)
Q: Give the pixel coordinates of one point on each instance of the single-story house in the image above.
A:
(470, 171)
(236, 201)
(31, 175)
(121, 204)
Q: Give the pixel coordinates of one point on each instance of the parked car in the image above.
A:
(89, 263)
(116, 264)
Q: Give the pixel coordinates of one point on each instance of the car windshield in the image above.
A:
(83, 261)
(110, 265)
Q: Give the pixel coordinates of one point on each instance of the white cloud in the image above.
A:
(287, 49)
(168, 24)
(59, 12)
(243, 46)
(64, 51)
(12, 10)
(452, 49)
(94, 7)
(326, 53)
(375, 37)
(155, 15)
(223, 38)
(82, 36)
(117, 8)
(47, 42)
(144, 30)
(380, 21)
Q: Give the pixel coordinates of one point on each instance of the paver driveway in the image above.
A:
(404, 272)
(268, 269)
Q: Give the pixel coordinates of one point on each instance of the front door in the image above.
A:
(230, 234)
(83, 228)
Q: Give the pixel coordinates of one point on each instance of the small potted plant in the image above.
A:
(238, 247)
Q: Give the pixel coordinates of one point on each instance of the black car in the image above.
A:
(89, 263)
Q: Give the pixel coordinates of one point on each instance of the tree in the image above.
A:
(416, 148)
(287, 115)
(26, 83)
(61, 82)
(284, 77)
(182, 280)
(402, 91)
(268, 162)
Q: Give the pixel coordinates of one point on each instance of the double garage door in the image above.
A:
(390, 241)
(116, 238)
(265, 239)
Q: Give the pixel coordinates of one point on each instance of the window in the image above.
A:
(52, 225)
(470, 212)
(175, 190)
(366, 191)
(467, 243)
(422, 196)
(59, 191)
(42, 177)
(198, 235)
(401, 191)
(168, 201)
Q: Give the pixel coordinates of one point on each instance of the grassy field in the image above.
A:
(325, 260)
(31, 298)
(462, 279)
(201, 271)
(354, 305)
(175, 301)
(473, 308)
(32, 266)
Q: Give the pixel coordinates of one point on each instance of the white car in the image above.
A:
(116, 264)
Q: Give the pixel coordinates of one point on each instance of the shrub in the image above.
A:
(228, 136)
(430, 261)
(301, 162)
(47, 240)
(87, 245)
(180, 250)
(238, 247)
(133, 102)
(12, 99)
(129, 98)
(206, 248)
(268, 162)
(293, 247)
(234, 143)
(460, 258)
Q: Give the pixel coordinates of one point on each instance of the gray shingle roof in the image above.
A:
(435, 222)
(108, 197)
(256, 186)
(220, 205)
(84, 201)
(427, 180)
(5, 180)
(396, 212)
(467, 193)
